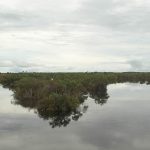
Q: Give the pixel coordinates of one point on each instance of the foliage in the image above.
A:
(58, 96)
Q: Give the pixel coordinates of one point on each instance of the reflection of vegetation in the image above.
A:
(58, 108)
(99, 93)
(60, 97)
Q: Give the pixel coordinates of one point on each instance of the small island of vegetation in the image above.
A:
(59, 97)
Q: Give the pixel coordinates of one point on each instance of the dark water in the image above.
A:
(123, 123)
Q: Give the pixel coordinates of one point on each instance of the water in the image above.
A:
(123, 123)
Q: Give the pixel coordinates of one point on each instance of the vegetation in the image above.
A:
(59, 97)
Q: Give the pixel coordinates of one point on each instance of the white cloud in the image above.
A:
(77, 35)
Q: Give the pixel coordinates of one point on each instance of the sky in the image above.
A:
(74, 35)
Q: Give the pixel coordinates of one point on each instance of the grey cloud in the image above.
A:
(9, 63)
(36, 15)
(117, 15)
(136, 64)
(19, 20)
(139, 64)
(6, 63)
(10, 19)
(121, 16)
(85, 29)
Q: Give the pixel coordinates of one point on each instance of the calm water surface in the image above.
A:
(123, 123)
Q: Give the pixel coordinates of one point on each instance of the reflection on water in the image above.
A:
(60, 109)
(6, 101)
(123, 123)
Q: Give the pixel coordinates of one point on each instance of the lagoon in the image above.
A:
(122, 122)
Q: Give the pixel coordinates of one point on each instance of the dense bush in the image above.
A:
(57, 96)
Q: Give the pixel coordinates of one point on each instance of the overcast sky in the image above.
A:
(74, 35)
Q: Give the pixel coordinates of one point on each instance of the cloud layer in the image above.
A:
(77, 35)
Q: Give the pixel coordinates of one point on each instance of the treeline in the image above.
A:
(9, 79)
(57, 96)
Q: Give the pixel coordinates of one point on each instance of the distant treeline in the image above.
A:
(9, 79)
(56, 96)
